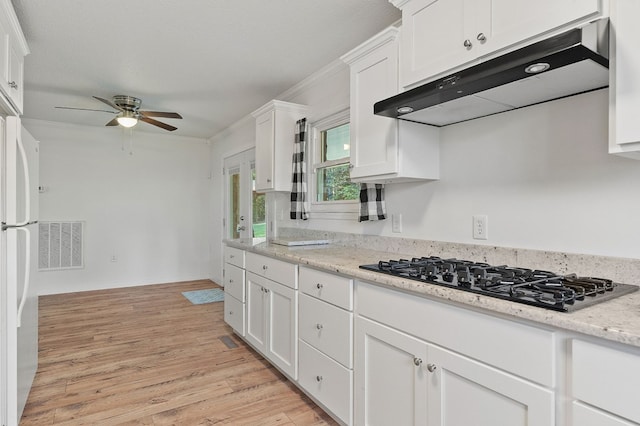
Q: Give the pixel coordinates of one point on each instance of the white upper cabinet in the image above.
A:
(439, 36)
(385, 150)
(275, 133)
(13, 49)
(624, 91)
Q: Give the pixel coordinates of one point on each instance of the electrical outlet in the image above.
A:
(396, 222)
(480, 227)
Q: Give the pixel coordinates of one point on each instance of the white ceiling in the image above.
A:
(213, 61)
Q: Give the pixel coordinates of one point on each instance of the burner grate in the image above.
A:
(528, 286)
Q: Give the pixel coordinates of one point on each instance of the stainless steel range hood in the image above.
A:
(567, 64)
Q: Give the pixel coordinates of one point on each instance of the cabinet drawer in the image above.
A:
(327, 381)
(234, 282)
(523, 350)
(276, 270)
(234, 314)
(328, 287)
(327, 328)
(234, 256)
(604, 377)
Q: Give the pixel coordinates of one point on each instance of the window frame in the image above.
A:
(341, 209)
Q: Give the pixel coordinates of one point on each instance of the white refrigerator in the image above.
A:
(18, 299)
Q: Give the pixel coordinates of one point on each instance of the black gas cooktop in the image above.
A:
(532, 287)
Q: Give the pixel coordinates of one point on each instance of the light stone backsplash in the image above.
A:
(620, 270)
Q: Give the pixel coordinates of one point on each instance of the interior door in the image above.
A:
(245, 215)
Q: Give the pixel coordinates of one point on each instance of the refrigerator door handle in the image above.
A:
(27, 268)
(27, 184)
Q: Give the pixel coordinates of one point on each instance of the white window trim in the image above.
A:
(328, 209)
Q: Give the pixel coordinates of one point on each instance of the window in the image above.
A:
(332, 186)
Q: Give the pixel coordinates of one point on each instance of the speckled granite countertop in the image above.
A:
(616, 320)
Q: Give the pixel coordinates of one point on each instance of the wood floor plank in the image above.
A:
(147, 356)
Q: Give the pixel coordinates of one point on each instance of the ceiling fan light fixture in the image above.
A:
(127, 119)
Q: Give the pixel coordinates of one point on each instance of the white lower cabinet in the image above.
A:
(234, 314)
(327, 381)
(271, 322)
(463, 391)
(326, 341)
(234, 289)
(390, 389)
(603, 381)
(405, 380)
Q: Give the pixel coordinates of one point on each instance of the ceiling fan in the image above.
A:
(129, 113)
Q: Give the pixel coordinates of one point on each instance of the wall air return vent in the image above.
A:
(60, 245)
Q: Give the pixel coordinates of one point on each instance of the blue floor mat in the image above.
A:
(199, 297)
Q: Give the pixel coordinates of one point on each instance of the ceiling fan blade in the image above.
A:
(160, 114)
(87, 109)
(111, 104)
(158, 123)
(113, 122)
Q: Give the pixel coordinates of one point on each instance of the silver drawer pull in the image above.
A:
(319, 286)
(230, 280)
(231, 256)
(13, 84)
(230, 312)
(431, 368)
(417, 361)
(318, 379)
(319, 326)
(264, 267)
(481, 37)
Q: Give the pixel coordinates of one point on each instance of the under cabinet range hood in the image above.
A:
(563, 65)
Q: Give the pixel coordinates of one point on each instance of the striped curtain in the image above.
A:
(298, 179)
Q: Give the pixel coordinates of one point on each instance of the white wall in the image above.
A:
(149, 208)
(541, 174)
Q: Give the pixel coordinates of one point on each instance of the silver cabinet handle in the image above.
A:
(431, 368)
(351, 166)
(13, 84)
(230, 280)
(319, 286)
(230, 312)
(264, 267)
(481, 37)
(231, 256)
(417, 361)
(467, 43)
(319, 326)
(268, 180)
(240, 228)
(318, 379)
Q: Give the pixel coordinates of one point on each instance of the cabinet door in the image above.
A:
(282, 339)
(433, 38)
(15, 80)
(256, 314)
(584, 415)
(390, 383)
(265, 151)
(466, 392)
(507, 22)
(4, 56)
(374, 139)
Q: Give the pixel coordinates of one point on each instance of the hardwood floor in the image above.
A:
(146, 355)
